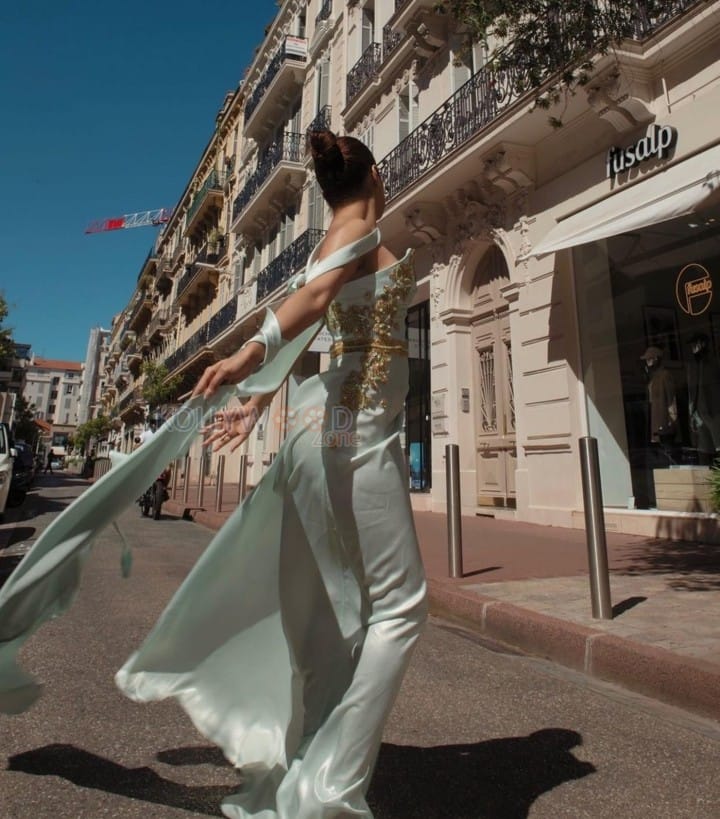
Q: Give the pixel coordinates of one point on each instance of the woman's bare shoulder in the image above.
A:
(343, 235)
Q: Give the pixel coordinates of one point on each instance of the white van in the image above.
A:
(7, 455)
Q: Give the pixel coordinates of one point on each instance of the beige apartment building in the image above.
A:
(53, 387)
(565, 275)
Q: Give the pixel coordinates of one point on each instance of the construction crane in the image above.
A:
(131, 220)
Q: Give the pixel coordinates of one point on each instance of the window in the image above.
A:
(466, 60)
(70, 375)
(51, 409)
(55, 381)
(40, 388)
(322, 84)
(68, 402)
(53, 395)
(407, 110)
(368, 136)
(39, 416)
(69, 389)
(316, 207)
(368, 29)
(287, 225)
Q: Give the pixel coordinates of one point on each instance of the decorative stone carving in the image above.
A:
(622, 101)
(426, 221)
(510, 168)
(437, 290)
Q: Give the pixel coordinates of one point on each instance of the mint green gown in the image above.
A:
(287, 642)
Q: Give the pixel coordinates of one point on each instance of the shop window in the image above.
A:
(649, 305)
(417, 404)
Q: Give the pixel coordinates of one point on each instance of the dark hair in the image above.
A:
(342, 165)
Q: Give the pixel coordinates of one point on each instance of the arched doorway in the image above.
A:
(495, 440)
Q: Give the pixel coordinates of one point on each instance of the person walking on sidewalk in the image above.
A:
(48, 462)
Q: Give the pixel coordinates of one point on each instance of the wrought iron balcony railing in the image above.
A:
(288, 149)
(475, 105)
(364, 70)
(325, 11)
(294, 48)
(222, 319)
(215, 181)
(391, 40)
(287, 263)
(651, 16)
(187, 350)
(186, 278)
(321, 122)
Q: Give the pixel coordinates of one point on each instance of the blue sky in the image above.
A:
(104, 110)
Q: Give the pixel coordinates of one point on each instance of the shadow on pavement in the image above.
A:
(496, 779)
(696, 565)
(87, 770)
(20, 533)
(198, 755)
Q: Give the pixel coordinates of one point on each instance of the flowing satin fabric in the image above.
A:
(287, 642)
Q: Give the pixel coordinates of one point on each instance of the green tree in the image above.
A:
(549, 45)
(95, 428)
(157, 387)
(24, 426)
(6, 341)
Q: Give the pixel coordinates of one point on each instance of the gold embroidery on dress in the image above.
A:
(372, 325)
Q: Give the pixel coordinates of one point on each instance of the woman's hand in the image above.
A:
(232, 426)
(230, 370)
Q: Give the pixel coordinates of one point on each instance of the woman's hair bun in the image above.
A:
(325, 150)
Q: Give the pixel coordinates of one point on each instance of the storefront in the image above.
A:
(647, 262)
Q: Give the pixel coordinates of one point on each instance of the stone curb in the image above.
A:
(686, 682)
(678, 680)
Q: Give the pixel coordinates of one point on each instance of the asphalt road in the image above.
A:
(477, 732)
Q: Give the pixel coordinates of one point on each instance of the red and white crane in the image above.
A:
(131, 220)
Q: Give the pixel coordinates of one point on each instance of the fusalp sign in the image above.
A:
(657, 143)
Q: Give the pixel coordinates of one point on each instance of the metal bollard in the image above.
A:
(242, 477)
(452, 478)
(175, 478)
(186, 481)
(201, 480)
(595, 530)
(219, 483)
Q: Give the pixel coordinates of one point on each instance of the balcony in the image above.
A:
(287, 263)
(391, 40)
(202, 273)
(158, 323)
(648, 19)
(208, 199)
(188, 350)
(363, 72)
(322, 119)
(280, 173)
(150, 264)
(280, 81)
(141, 312)
(476, 105)
(222, 319)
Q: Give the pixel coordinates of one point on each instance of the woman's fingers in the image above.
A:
(205, 378)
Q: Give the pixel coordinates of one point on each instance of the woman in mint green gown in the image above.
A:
(287, 642)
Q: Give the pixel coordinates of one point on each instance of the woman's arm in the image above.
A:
(295, 314)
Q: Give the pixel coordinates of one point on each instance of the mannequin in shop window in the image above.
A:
(662, 397)
(703, 375)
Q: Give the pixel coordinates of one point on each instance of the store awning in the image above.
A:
(674, 192)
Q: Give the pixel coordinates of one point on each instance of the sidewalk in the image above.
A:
(527, 586)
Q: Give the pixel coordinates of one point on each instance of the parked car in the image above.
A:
(22, 475)
(7, 456)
